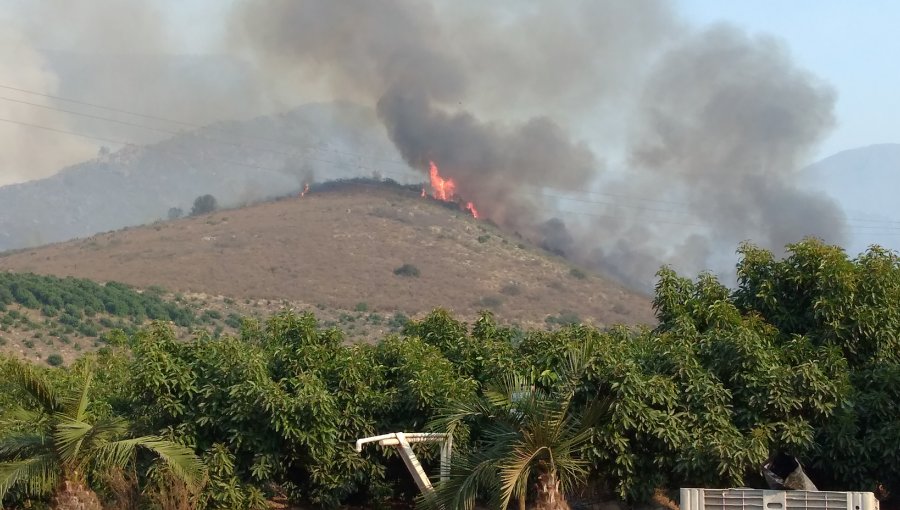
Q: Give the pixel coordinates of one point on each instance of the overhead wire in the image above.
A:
(545, 191)
(250, 165)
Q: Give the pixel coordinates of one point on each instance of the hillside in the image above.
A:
(339, 250)
(238, 162)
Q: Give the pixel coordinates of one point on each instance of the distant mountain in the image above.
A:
(866, 183)
(237, 162)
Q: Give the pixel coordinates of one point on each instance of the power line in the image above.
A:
(879, 224)
(249, 165)
(313, 147)
(281, 142)
(144, 126)
(155, 148)
(290, 144)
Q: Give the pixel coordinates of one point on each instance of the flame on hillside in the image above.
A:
(305, 190)
(444, 189)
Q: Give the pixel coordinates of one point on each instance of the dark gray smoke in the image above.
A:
(713, 124)
(393, 54)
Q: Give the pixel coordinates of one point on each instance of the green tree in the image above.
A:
(818, 293)
(525, 434)
(52, 446)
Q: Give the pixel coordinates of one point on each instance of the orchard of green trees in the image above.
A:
(73, 299)
(801, 358)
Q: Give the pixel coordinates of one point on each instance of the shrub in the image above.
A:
(28, 343)
(115, 337)
(204, 204)
(233, 320)
(577, 273)
(399, 320)
(88, 329)
(54, 360)
(361, 307)
(565, 318)
(489, 302)
(408, 270)
(484, 238)
(511, 289)
(210, 315)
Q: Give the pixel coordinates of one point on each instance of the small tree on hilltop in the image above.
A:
(204, 204)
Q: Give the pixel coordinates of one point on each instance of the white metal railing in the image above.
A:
(402, 442)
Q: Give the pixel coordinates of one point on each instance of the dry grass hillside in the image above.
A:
(339, 249)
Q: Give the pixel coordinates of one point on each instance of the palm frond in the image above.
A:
(108, 429)
(37, 474)
(69, 437)
(75, 406)
(35, 383)
(182, 460)
(524, 428)
(514, 472)
(471, 475)
(19, 415)
(17, 446)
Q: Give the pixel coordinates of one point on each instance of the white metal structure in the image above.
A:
(758, 499)
(402, 441)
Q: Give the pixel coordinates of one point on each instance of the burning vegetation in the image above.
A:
(444, 189)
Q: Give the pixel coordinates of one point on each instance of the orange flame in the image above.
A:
(442, 189)
(471, 208)
(305, 190)
(445, 189)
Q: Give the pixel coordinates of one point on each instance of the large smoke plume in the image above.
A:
(710, 124)
(610, 131)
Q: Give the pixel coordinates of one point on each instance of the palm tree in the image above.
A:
(61, 441)
(527, 434)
